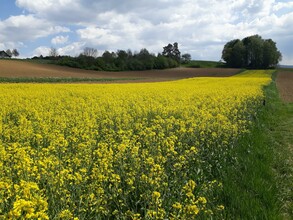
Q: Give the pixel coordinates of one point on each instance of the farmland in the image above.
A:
(285, 85)
(23, 71)
(124, 151)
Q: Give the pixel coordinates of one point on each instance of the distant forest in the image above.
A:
(122, 60)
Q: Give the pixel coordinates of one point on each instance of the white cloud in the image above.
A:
(27, 28)
(60, 40)
(98, 36)
(34, 6)
(73, 49)
(62, 11)
(2, 46)
(10, 45)
(283, 5)
(42, 50)
(199, 27)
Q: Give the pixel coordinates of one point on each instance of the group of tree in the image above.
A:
(122, 59)
(13, 52)
(251, 52)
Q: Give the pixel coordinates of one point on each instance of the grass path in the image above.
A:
(281, 133)
(249, 185)
(258, 175)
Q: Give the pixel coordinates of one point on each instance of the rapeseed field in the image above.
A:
(121, 151)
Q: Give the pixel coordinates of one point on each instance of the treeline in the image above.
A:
(251, 52)
(119, 61)
(10, 53)
(122, 60)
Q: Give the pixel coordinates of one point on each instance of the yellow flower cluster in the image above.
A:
(120, 151)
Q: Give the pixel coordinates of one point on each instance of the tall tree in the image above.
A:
(172, 51)
(234, 53)
(121, 59)
(176, 52)
(90, 52)
(271, 55)
(122, 55)
(254, 51)
(9, 53)
(129, 53)
(238, 54)
(227, 52)
(109, 57)
(146, 58)
(185, 58)
(53, 52)
(15, 52)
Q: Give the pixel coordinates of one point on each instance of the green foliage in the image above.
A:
(270, 53)
(234, 53)
(185, 58)
(9, 52)
(135, 64)
(15, 52)
(146, 58)
(69, 61)
(251, 52)
(161, 62)
(172, 51)
(120, 61)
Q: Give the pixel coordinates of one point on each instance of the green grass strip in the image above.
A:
(257, 177)
(280, 133)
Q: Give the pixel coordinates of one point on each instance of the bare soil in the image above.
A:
(20, 69)
(285, 85)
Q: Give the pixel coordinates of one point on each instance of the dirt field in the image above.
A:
(16, 69)
(285, 85)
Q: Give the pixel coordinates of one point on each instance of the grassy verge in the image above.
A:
(281, 134)
(60, 80)
(257, 178)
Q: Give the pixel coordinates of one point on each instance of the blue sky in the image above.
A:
(200, 28)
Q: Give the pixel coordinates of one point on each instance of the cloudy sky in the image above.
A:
(200, 27)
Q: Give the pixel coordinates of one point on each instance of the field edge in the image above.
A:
(258, 176)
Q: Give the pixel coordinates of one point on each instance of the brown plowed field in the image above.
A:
(285, 85)
(17, 69)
